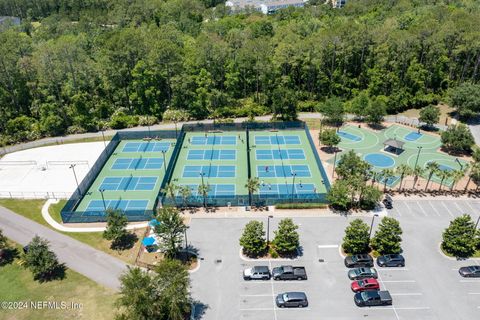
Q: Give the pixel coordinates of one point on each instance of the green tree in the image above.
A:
(473, 173)
(176, 116)
(333, 110)
(338, 197)
(458, 139)
(443, 175)
(253, 185)
(351, 165)
(3, 240)
(369, 197)
(430, 115)
(285, 104)
(163, 294)
(116, 228)
(359, 104)
(286, 239)
(432, 167)
(460, 239)
(456, 176)
(386, 175)
(171, 190)
(356, 239)
(170, 230)
(185, 192)
(465, 98)
(203, 190)
(417, 172)
(387, 238)
(403, 171)
(329, 138)
(253, 238)
(375, 111)
(43, 262)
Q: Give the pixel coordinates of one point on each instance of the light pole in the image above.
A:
(334, 163)
(371, 226)
(268, 229)
(103, 199)
(72, 166)
(294, 174)
(164, 162)
(103, 135)
(418, 155)
(476, 224)
(186, 241)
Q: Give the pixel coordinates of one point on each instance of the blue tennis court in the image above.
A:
(275, 154)
(215, 190)
(283, 171)
(412, 136)
(204, 154)
(390, 181)
(287, 189)
(128, 183)
(214, 140)
(209, 171)
(349, 136)
(137, 164)
(276, 139)
(96, 206)
(148, 146)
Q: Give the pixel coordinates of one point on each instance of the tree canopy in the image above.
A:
(73, 66)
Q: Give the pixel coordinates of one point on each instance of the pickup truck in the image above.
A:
(372, 298)
(289, 273)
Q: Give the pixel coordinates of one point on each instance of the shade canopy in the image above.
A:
(397, 144)
(148, 241)
(153, 223)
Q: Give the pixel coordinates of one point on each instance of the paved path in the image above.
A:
(92, 263)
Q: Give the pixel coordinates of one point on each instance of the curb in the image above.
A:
(439, 249)
(240, 254)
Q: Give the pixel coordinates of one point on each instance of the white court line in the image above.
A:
(406, 294)
(443, 204)
(433, 208)
(421, 208)
(399, 281)
(325, 246)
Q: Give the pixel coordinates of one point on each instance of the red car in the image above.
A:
(365, 284)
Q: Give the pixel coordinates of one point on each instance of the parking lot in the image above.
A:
(428, 287)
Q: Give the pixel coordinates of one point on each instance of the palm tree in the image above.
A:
(432, 167)
(171, 190)
(456, 176)
(185, 192)
(473, 173)
(444, 175)
(417, 172)
(403, 171)
(386, 174)
(253, 184)
(203, 191)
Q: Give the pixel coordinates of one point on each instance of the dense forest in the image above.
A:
(83, 65)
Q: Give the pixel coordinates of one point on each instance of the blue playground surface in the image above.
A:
(214, 140)
(379, 160)
(209, 171)
(413, 136)
(128, 183)
(147, 146)
(275, 154)
(349, 136)
(285, 171)
(132, 206)
(215, 190)
(277, 139)
(208, 154)
(267, 190)
(137, 164)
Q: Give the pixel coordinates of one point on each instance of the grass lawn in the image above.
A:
(18, 285)
(445, 111)
(31, 209)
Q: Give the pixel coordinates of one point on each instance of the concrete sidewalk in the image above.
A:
(92, 263)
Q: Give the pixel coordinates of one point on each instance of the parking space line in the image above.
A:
(458, 207)
(399, 281)
(474, 281)
(385, 287)
(333, 246)
(273, 294)
(433, 208)
(474, 293)
(470, 206)
(409, 208)
(257, 309)
(393, 269)
(404, 308)
(406, 294)
(421, 209)
(443, 204)
(255, 295)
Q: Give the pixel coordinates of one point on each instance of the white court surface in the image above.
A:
(46, 179)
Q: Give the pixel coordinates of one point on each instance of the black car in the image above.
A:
(388, 202)
(372, 298)
(358, 260)
(292, 300)
(391, 260)
(470, 272)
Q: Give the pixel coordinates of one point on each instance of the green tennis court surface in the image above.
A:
(130, 179)
(285, 164)
(369, 145)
